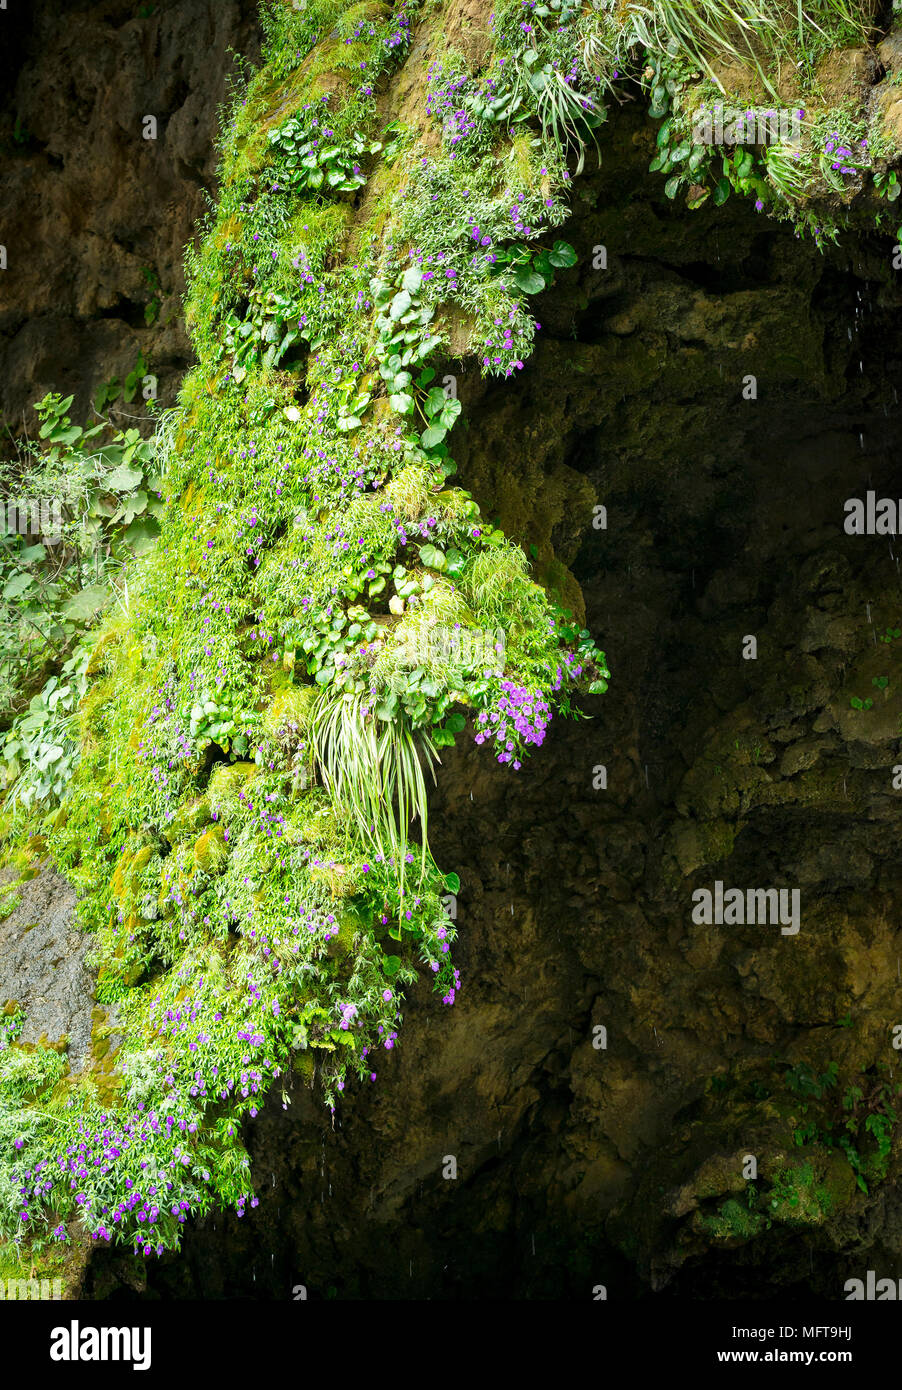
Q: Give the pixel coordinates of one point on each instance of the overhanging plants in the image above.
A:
(263, 716)
(245, 811)
(261, 719)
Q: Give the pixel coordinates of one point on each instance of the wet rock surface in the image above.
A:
(42, 966)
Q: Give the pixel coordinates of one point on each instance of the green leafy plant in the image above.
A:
(92, 492)
(111, 390)
(308, 159)
(42, 748)
(533, 270)
(528, 86)
(12, 1019)
(867, 1112)
(404, 339)
(271, 324)
(152, 307)
(887, 185)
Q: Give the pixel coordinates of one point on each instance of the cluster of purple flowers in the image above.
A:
(10, 1028)
(572, 668)
(505, 345)
(443, 103)
(843, 156)
(175, 748)
(520, 717)
(401, 35)
(452, 989)
(517, 218)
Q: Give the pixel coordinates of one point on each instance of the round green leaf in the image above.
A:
(528, 281)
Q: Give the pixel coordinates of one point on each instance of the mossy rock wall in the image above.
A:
(635, 397)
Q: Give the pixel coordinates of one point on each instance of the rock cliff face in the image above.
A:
(712, 760)
(579, 1165)
(96, 217)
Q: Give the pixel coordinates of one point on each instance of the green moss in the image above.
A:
(190, 817)
(210, 851)
(310, 542)
(10, 898)
(40, 1267)
(228, 784)
(288, 710)
(735, 1221)
(311, 545)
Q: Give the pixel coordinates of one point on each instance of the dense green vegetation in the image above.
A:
(302, 609)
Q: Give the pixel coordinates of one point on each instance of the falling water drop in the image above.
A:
(533, 1242)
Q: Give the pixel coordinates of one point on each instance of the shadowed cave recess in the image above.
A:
(621, 1166)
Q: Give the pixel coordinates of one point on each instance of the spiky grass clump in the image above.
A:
(372, 769)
